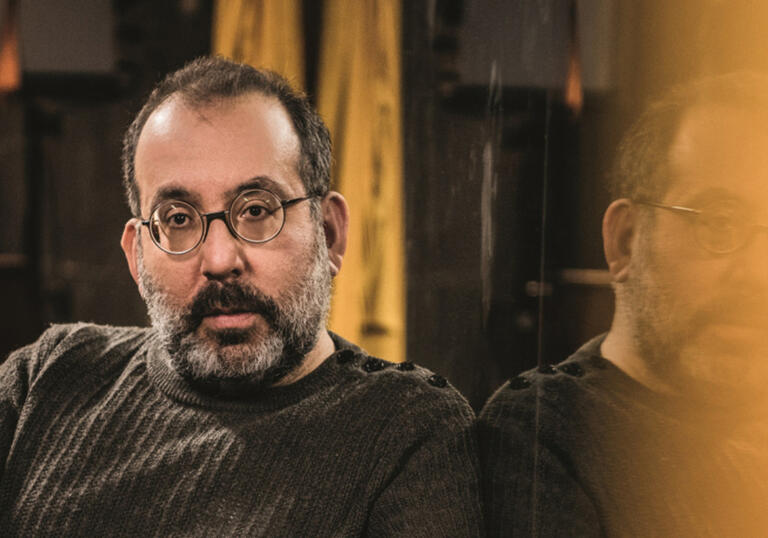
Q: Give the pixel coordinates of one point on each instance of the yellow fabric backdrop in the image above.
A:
(262, 33)
(359, 98)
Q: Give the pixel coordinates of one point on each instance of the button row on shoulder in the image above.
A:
(572, 368)
(345, 356)
(405, 366)
(437, 381)
(519, 383)
(374, 365)
(547, 369)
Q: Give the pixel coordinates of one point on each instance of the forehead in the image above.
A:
(720, 149)
(208, 151)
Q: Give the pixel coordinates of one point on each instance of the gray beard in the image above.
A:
(250, 357)
(658, 340)
(668, 338)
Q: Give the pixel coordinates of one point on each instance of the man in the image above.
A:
(657, 428)
(237, 413)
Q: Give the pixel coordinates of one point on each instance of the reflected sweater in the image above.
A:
(582, 449)
(100, 437)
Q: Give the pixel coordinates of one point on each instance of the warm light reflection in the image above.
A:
(691, 315)
(10, 72)
(574, 93)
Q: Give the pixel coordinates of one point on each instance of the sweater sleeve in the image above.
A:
(433, 486)
(529, 488)
(17, 374)
(14, 381)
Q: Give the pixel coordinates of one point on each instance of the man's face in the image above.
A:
(230, 309)
(702, 318)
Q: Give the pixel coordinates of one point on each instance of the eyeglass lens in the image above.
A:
(720, 232)
(255, 216)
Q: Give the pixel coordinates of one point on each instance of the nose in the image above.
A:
(221, 252)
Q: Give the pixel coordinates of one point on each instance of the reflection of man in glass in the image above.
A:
(659, 427)
(237, 413)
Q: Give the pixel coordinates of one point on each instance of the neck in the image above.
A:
(322, 350)
(620, 348)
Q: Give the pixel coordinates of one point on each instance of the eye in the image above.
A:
(720, 229)
(177, 220)
(718, 219)
(254, 211)
(177, 217)
(714, 220)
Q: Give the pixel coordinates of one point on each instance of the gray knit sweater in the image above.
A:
(100, 438)
(581, 449)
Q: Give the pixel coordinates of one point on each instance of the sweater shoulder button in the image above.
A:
(437, 381)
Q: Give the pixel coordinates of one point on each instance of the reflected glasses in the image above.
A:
(719, 228)
(255, 216)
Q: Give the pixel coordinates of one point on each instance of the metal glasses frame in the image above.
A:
(754, 227)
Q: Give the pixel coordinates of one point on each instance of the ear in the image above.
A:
(129, 243)
(619, 228)
(335, 225)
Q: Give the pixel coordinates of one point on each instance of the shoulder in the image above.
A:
(410, 388)
(420, 431)
(531, 436)
(405, 389)
(555, 395)
(81, 342)
(97, 340)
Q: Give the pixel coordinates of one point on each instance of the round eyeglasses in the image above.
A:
(719, 228)
(255, 216)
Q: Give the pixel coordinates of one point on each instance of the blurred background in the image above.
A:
(471, 138)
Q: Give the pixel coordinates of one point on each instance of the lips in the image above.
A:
(229, 319)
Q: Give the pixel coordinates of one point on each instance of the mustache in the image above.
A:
(230, 298)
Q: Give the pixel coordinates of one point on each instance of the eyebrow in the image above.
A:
(258, 182)
(715, 195)
(173, 192)
(177, 192)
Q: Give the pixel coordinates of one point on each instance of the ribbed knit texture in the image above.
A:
(584, 450)
(101, 438)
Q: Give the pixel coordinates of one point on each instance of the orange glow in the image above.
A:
(574, 93)
(10, 72)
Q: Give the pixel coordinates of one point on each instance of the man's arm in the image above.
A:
(14, 382)
(432, 487)
(529, 488)
(17, 374)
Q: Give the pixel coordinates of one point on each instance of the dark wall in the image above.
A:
(60, 179)
(492, 167)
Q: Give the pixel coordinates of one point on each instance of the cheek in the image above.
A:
(277, 266)
(690, 292)
(271, 271)
(176, 278)
(681, 275)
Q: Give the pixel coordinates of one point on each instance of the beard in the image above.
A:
(710, 346)
(257, 355)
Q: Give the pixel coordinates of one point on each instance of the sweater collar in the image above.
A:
(166, 379)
